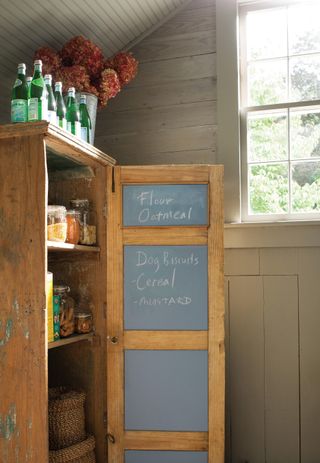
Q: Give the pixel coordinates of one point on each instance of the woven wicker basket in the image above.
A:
(79, 453)
(66, 418)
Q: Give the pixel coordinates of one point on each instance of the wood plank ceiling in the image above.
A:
(114, 25)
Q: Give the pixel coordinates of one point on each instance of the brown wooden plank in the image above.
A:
(23, 349)
(172, 340)
(165, 235)
(23, 130)
(61, 141)
(70, 340)
(167, 174)
(55, 246)
(58, 140)
(216, 350)
(159, 440)
(115, 361)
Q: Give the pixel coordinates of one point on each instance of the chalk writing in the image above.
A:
(165, 287)
(160, 205)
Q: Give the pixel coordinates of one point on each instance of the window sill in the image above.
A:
(272, 234)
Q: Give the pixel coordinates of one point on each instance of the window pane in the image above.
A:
(267, 137)
(304, 133)
(266, 34)
(267, 82)
(268, 188)
(306, 187)
(304, 30)
(305, 78)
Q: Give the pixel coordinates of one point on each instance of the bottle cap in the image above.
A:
(29, 78)
(22, 65)
(58, 84)
(38, 62)
(83, 97)
(71, 90)
(48, 77)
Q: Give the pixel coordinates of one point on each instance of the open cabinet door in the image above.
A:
(165, 315)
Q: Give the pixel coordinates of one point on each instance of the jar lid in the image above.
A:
(82, 315)
(79, 202)
(73, 212)
(61, 288)
(53, 209)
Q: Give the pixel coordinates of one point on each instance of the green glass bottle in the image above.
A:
(38, 99)
(52, 106)
(73, 114)
(86, 126)
(19, 96)
(61, 107)
(28, 80)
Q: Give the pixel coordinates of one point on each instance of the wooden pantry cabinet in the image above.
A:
(155, 279)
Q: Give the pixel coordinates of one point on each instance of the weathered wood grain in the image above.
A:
(158, 440)
(216, 347)
(160, 340)
(176, 46)
(23, 356)
(158, 95)
(135, 147)
(171, 70)
(187, 21)
(115, 356)
(165, 117)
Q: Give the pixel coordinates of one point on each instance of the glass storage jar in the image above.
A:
(83, 316)
(66, 309)
(88, 233)
(73, 226)
(57, 223)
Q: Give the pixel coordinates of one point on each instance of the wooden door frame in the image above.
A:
(119, 340)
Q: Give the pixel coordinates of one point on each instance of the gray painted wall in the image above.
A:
(168, 113)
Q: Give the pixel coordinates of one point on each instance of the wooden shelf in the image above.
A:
(70, 340)
(57, 246)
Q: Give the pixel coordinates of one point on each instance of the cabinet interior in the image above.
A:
(80, 365)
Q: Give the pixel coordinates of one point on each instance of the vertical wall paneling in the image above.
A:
(246, 363)
(281, 368)
(309, 298)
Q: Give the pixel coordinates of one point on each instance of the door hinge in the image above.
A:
(105, 210)
(113, 185)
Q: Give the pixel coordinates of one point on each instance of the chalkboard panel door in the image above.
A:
(165, 314)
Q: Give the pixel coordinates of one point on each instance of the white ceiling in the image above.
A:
(114, 25)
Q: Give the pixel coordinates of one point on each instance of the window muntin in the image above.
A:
(280, 111)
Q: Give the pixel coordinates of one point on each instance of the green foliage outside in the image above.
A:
(268, 140)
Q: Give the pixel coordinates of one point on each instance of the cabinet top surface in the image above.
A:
(58, 141)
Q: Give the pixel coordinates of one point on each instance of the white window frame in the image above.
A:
(232, 121)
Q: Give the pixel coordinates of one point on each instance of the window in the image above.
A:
(280, 110)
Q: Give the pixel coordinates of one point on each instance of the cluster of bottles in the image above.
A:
(33, 99)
